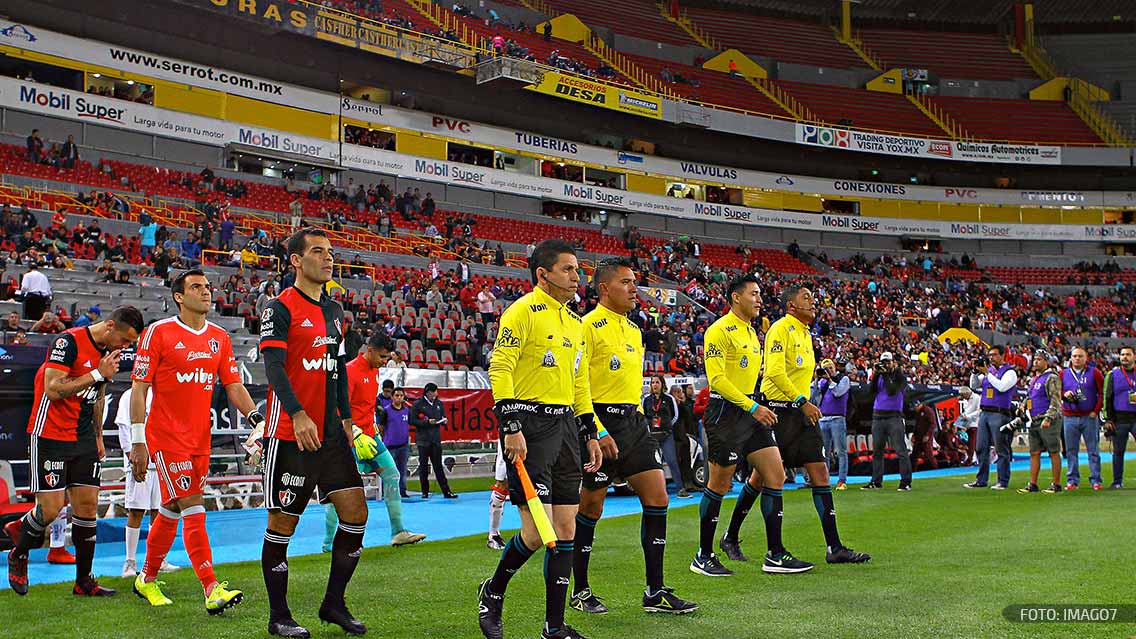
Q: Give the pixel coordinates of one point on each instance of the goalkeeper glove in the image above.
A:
(365, 446)
(253, 444)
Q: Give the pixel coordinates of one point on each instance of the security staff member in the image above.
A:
(789, 368)
(539, 381)
(1119, 410)
(614, 357)
(737, 427)
(427, 415)
(831, 396)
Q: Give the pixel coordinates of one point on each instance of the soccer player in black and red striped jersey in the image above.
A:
(66, 444)
(309, 432)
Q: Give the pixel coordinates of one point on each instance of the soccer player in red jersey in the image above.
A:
(309, 433)
(66, 444)
(182, 358)
(370, 452)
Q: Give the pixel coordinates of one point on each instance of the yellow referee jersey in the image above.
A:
(789, 360)
(614, 354)
(539, 353)
(732, 356)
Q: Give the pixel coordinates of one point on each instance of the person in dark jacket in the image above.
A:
(683, 429)
(661, 411)
(427, 416)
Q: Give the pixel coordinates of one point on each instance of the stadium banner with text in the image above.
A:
(142, 118)
(458, 174)
(382, 115)
(44, 41)
(852, 140)
(578, 89)
(278, 14)
(45, 100)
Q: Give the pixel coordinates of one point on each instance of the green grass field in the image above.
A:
(946, 561)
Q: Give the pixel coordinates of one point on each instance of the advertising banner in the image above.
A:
(585, 91)
(31, 38)
(915, 147)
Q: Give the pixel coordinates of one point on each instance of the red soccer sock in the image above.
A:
(197, 545)
(158, 542)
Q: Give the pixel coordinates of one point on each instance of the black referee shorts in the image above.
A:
(799, 440)
(638, 450)
(553, 458)
(732, 434)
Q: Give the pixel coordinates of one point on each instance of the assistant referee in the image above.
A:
(541, 389)
(789, 368)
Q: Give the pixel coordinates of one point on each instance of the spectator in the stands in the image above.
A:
(547, 30)
(191, 250)
(485, 300)
(207, 177)
(69, 154)
(227, 229)
(172, 243)
(90, 317)
(35, 147)
(48, 324)
(499, 45)
(36, 290)
(11, 322)
(20, 338)
(432, 231)
(428, 205)
(530, 248)
(499, 256)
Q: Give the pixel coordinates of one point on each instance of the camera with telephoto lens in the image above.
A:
(821, 372)
(1019, 421)
(1078, 395)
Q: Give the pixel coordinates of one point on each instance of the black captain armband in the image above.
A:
(509, 416)
(586, 426)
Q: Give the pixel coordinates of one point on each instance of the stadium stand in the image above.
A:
(637, 18)
(977, 56)
(1018, 120)
(793, 41)
(862, 109)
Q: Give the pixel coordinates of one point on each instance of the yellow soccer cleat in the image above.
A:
(151, 591)
(221, 598)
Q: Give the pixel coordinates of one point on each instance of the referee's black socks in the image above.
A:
(741, 509)
(826, 510)
(585, 536)
(708, 511)
(514, 556)
(653, 535)
(771, 507)
(557, 567)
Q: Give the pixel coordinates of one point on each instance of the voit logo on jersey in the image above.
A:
(593, 194)
(278, 142)
(824, 136)
(59, 101)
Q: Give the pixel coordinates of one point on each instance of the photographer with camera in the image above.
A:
(1082, 389)
(889, 384)
(1043, 406)
(998, 380)
(830, 394)
(1119, 410)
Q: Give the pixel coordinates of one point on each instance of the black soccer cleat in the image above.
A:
(489, 606)
(784, 563)
(904, 487)
(1029, 488)
(732, 548)
(340, 616)
(845, 555)
(17, 573)
(90, 587)
(664, 600)
(287, 627)
(709, 566)
(586, 601)
(563, 632)
(871, 486)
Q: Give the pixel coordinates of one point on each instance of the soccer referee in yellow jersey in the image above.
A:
(540, 385)
(738, 426)
(789, 368)
(614, 356)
